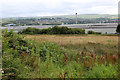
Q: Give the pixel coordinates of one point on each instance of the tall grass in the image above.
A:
(25, 58)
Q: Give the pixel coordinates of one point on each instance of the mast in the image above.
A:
(76, 18)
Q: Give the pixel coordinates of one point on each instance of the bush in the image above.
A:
(59, 30)
(44, 31)
(98, 33)
(21, 56)
(118, 28)
(12, 47)
(76, 31)
(92, 32)
(30, 30)
(53, 30)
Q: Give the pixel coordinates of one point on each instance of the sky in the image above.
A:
(33, 8)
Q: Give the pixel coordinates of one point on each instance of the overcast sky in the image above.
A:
(26, 8)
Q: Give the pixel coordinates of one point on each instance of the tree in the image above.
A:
(118, 28)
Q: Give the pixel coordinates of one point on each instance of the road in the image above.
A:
(101, 26)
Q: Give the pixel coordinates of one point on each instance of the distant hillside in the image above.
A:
(98, 16)
(85, 16)
(63, 19)
(88, 16)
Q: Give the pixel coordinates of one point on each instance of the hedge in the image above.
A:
(53, 30)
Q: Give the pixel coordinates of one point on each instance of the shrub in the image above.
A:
(76, 31)
(64, 30)
(98, 33)
(30, 30)
(91, 32)
(59, 30)
(44, 31)
(53, 30)
(118, 28)
(12, 47)
(20, 55)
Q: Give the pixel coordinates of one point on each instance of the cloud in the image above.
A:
(18, 8)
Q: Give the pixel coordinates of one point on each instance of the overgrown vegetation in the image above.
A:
(53, 30)
(26, 58)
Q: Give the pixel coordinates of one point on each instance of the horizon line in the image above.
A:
(56, 15)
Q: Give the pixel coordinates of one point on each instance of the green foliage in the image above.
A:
(12, 48)
(53, 30)
(103, 71)
(92, 32)
(118, 28)
(30, 30)
(24, 58)
(22, 55)
(76, 31)
(98, 33)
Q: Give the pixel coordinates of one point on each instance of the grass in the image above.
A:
(77, 39)
(59, 56)
(91, 43)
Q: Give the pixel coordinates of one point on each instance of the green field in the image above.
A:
(59, 56)
(96, 44)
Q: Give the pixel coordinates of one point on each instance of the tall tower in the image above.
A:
(76, 18)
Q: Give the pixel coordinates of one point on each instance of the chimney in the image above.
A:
(76, 18)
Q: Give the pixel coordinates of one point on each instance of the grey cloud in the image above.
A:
(33, 8)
